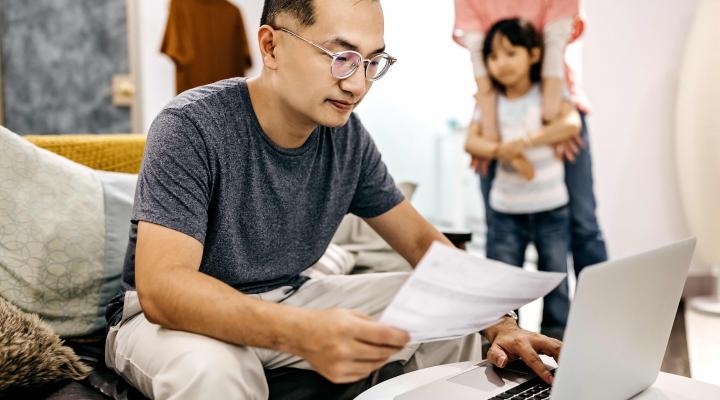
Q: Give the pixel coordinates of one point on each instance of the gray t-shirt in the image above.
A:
(263, 213)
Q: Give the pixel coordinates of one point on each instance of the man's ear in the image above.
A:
(267, 39)
(535, 55)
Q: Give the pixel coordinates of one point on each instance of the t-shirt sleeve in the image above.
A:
(175, 181)
(175, 44)
(468, 19)
(561, 9)
(376, 192)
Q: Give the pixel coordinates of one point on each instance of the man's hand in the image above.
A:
(509, 342)
(346, 345)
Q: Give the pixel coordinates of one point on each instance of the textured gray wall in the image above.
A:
(58, 60)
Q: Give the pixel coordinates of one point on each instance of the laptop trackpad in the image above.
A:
(488, 378)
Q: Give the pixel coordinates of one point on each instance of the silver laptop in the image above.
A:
(615, 339)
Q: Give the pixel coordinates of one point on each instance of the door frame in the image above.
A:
(134, 65)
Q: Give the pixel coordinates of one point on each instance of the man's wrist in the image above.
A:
(289, 333)
(506, 322)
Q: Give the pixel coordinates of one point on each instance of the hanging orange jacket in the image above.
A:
(207, 42)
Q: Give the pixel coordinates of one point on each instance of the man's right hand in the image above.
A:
(346, 345)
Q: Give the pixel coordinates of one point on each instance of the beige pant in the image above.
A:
(170, 364)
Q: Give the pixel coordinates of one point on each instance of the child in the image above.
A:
(528, 198)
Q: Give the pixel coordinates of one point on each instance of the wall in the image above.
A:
(632, 55)
(157, 72)
(71, 49)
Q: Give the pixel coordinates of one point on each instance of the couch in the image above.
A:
(123, 153)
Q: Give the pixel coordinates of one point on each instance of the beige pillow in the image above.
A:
(63, 234)
(30, 353)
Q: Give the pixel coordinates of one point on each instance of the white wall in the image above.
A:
(632, 54)
(157, 72)
(431, 84)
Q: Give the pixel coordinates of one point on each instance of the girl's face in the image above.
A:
(510, 64)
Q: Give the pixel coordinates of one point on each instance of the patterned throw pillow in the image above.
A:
(30, 353)
(63, 233)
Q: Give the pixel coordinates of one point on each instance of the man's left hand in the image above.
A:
(509, 342)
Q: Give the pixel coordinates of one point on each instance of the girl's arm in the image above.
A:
(566, 126)
(477, 145)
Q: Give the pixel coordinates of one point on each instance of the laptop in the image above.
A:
(618, 328)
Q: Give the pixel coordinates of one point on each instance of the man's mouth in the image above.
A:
(341, 105)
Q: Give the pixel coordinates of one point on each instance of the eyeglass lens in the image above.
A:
(345, 64)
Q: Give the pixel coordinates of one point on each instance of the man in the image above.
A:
(242, 187)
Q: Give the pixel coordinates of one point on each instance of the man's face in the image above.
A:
(304, 76)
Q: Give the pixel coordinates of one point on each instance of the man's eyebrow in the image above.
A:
(346, 44)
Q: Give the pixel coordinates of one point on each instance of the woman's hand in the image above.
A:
(569, 149)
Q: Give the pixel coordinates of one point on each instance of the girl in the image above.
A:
(528, 199)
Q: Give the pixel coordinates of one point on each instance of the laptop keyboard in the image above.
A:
(534, 389)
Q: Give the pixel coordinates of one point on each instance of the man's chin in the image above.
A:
(334, 119)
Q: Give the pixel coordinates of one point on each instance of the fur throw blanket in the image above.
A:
(31, 353)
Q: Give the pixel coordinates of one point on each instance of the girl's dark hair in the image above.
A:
(520, 33)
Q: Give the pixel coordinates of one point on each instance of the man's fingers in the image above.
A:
(372, 353)
(547, 345)
(380, 334)
(532, 359)
(497, 356)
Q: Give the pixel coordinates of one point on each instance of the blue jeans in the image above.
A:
(508, 236)
(586, 240)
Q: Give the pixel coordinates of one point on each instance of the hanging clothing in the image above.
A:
(207, 42)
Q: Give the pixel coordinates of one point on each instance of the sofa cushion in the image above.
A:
(30, 353)
(60, 254)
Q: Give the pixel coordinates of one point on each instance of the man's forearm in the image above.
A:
(188, 300)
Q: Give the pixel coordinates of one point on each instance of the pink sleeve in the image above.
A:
(559, 9)
(467, 19)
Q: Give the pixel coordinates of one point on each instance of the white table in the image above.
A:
(666, 387)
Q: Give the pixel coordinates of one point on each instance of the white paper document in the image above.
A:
(453, 293)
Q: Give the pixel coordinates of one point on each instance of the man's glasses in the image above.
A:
(345, 63)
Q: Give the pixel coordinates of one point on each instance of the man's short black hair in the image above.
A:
(302, 10)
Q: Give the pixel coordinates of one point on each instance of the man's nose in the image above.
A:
(355, 83)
